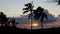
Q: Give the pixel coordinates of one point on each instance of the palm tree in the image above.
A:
(39, 13)
(3, 18)
(29, 8)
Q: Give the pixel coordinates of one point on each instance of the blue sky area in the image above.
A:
(14, 7)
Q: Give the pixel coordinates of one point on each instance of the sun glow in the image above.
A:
(35, 24)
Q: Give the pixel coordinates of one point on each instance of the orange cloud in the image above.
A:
(57, 23)
(54, 13)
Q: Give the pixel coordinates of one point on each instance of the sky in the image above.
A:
(13, 8)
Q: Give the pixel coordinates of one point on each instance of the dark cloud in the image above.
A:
(58, 18)
(24, 19)
(51, 18)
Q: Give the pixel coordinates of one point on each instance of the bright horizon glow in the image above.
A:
(35, 24)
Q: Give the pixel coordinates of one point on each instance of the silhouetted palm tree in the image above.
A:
(39, 14)
(3, 18)
(29, 8)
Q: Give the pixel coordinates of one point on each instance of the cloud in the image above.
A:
(51, 18)
(54, 13)
(58, 18)
(51, 22)
(24, 19)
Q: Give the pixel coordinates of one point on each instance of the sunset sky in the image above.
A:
(14, 7)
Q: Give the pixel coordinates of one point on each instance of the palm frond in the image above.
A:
(45, 15)
(25, 12)
(25, 8)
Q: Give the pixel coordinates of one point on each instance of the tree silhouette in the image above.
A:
(3, 18)
(39, 13)
(12, 22)
(29, 8)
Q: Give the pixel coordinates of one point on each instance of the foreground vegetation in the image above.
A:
(15, 29)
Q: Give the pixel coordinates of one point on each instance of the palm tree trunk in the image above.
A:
(31, 22)
(42, 25)
(31, 14)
